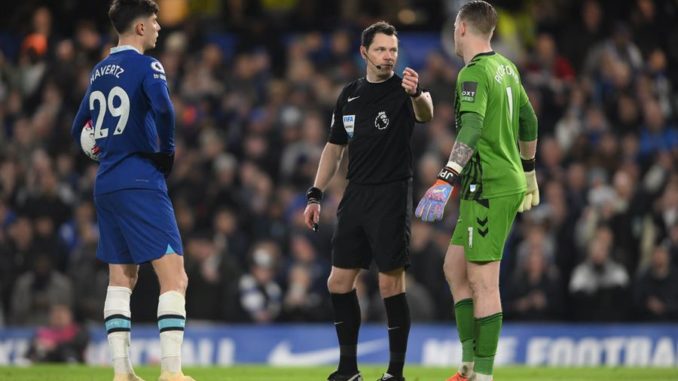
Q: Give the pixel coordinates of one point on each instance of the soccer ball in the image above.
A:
(87, 142)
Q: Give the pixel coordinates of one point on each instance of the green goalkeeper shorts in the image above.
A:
(484, 225)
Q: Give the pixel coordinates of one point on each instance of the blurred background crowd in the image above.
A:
(254, 84)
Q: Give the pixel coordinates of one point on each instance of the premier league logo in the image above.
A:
(381, 121)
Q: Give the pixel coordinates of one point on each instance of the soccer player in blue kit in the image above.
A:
(129, 105)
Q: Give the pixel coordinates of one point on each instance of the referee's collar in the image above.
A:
(393, 74)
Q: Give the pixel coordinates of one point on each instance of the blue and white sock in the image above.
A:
(171, 323)
(117, 318)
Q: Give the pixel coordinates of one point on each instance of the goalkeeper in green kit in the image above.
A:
(492, 163)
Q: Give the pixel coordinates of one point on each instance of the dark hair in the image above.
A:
(481, 15)
(378, 27)
(123, 12)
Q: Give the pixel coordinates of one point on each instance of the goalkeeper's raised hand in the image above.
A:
(432, 206)
(531, 198)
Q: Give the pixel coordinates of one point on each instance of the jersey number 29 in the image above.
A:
(108, 103)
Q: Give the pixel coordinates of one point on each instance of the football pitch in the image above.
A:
(371, 373)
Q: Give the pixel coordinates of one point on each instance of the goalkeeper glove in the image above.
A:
(531, 198)
(432, 206)
(162, 160)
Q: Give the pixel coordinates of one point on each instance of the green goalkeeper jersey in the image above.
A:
(490, 86)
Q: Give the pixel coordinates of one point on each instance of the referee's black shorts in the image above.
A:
(373, 222)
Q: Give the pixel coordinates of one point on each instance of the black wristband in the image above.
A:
(528, 164)
(314, 195)
(448, 175)
(417, 92)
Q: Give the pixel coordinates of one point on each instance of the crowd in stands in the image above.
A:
(252, 117)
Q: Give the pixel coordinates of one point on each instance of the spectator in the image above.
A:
(656, 297)
(534, 292)
(301, 302)
(582, 35)
(212, 273)
(427, 267)
(37, 291)
(599, 285)
(89, 275)
(259, 294)
(656, 135)
(62, 340)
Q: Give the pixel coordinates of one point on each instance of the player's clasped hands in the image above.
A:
(432, 206)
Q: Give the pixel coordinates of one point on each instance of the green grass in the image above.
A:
(266, 373)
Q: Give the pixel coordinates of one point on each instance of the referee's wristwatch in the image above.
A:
(417, 93)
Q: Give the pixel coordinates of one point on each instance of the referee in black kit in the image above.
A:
(374, 116)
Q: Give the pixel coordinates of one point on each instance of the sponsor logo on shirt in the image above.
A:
(468, 91)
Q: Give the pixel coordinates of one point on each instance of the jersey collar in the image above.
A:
(123, 48)
(490, 53)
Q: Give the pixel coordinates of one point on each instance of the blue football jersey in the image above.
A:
(131, 112)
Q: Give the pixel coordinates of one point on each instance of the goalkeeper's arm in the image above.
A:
(432, 206)
(527, 142)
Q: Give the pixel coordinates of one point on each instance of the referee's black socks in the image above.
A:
(398, 315)
(347, 323)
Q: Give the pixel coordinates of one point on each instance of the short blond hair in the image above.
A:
(481, 15)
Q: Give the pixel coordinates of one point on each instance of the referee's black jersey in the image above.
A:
(376, 121)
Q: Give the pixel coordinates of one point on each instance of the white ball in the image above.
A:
(87, 142)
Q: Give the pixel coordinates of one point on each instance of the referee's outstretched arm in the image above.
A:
(330, 161)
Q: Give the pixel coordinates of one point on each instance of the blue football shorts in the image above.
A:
(136, 226)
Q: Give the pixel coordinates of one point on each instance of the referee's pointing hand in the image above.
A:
(410, 81)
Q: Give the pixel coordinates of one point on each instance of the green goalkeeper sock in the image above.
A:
(463, 311)
(488, 329)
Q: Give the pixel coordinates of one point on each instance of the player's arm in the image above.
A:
(472, 107)
(163, 112)
(432, 205)
(155, 88)
(421, 100)
(81, 117)
(527, 143)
